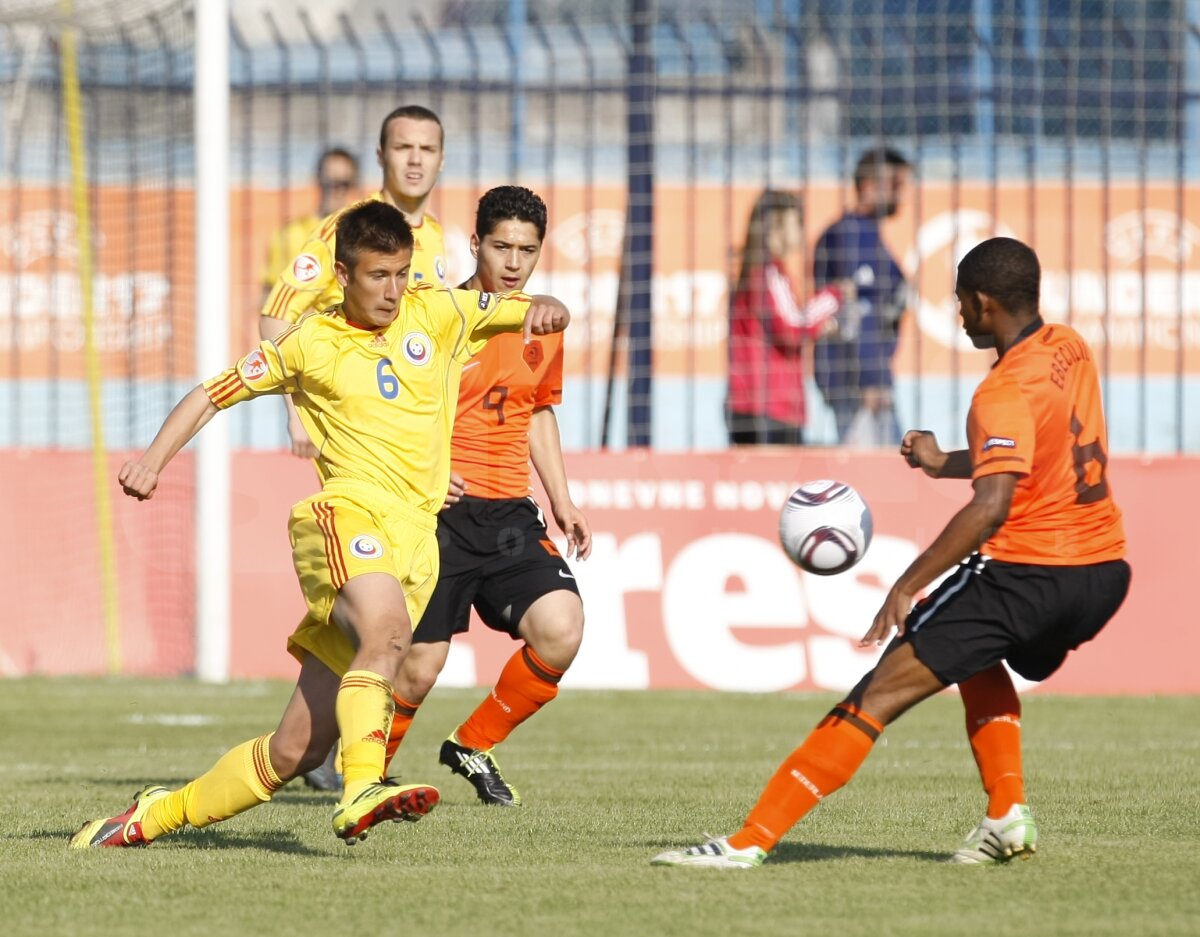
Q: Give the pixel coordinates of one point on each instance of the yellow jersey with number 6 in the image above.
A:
(378, 404)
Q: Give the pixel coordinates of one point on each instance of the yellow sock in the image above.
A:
(364, 715)
(241, 779)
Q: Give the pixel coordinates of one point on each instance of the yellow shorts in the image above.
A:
(348, 529)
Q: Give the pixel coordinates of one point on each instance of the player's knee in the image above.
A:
(417, 677)
(555, 631)
(293, 755)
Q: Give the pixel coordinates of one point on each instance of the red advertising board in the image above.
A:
(687, 586)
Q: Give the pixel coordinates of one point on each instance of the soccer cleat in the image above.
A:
(480, 768)
(994, 841)
(325, 776)
(123, 830)
(386, 800)
(715, 854)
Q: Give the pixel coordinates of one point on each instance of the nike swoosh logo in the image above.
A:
(467, 367)
(565, 575)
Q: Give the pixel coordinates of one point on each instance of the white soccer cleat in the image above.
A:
(715, 854)
(995, 841)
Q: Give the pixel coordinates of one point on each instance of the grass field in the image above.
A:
(609, 779)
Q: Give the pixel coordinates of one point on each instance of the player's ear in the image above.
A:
(987, 305)
(342, 272)
(475, 245)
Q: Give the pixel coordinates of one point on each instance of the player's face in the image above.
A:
(338, 181)
(974, 320)
(373, 287)
(412, 158)
(505, 258)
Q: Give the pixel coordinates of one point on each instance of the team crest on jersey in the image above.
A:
(366, 548)
(416, 348)
(254, 367)
(485, 300)
(439, 267)
(999, 442)
(306, 268)
(533, 355)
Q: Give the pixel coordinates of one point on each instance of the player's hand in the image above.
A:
(896, 606)
(458, 487)
(920, 450)
(301, 445)
(545, 315)
(572, 522)
(138, 481)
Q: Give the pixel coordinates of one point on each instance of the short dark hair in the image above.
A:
(412, 112)
(1004, 269)
(371, 226)
(505, 202)
(335, 152)
(871, 161)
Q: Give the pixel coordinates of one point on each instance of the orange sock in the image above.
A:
(994, 729)
(830, 755)
(402, 718)
(526, 684)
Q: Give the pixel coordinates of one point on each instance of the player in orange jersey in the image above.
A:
(411, 153)
(374, 381)
(1041, 550)
(496, 553)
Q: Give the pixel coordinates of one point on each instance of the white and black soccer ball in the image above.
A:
(825, 527)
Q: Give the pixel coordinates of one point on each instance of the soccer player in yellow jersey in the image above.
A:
(337, 184)
(411, 153)
(375, 382)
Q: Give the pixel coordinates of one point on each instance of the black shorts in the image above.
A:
(497, 556)
(1029, 616)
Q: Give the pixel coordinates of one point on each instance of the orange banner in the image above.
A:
(687, 586)
(1121, 263)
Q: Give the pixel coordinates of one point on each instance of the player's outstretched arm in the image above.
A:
(920, 450)
(963, 535)
(139, 478)
(545, 315)
(545, 449)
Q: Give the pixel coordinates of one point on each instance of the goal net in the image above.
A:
(96, 276)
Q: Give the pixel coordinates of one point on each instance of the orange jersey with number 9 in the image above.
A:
(500, 388)
(1038, 414)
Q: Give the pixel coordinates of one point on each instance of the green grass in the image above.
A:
(609, 779)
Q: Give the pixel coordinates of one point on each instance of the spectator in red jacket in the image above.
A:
(769, 328)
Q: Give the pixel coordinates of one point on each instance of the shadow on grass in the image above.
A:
(816, 852)
(282, 841)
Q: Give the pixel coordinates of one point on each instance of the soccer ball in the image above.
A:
(825, 527)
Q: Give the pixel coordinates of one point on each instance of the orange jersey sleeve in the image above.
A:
(1038, 415)
(500, 388)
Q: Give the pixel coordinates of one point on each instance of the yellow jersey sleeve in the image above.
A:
(272, 368)
(285, 245)
(308, 281)
(485, 315)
